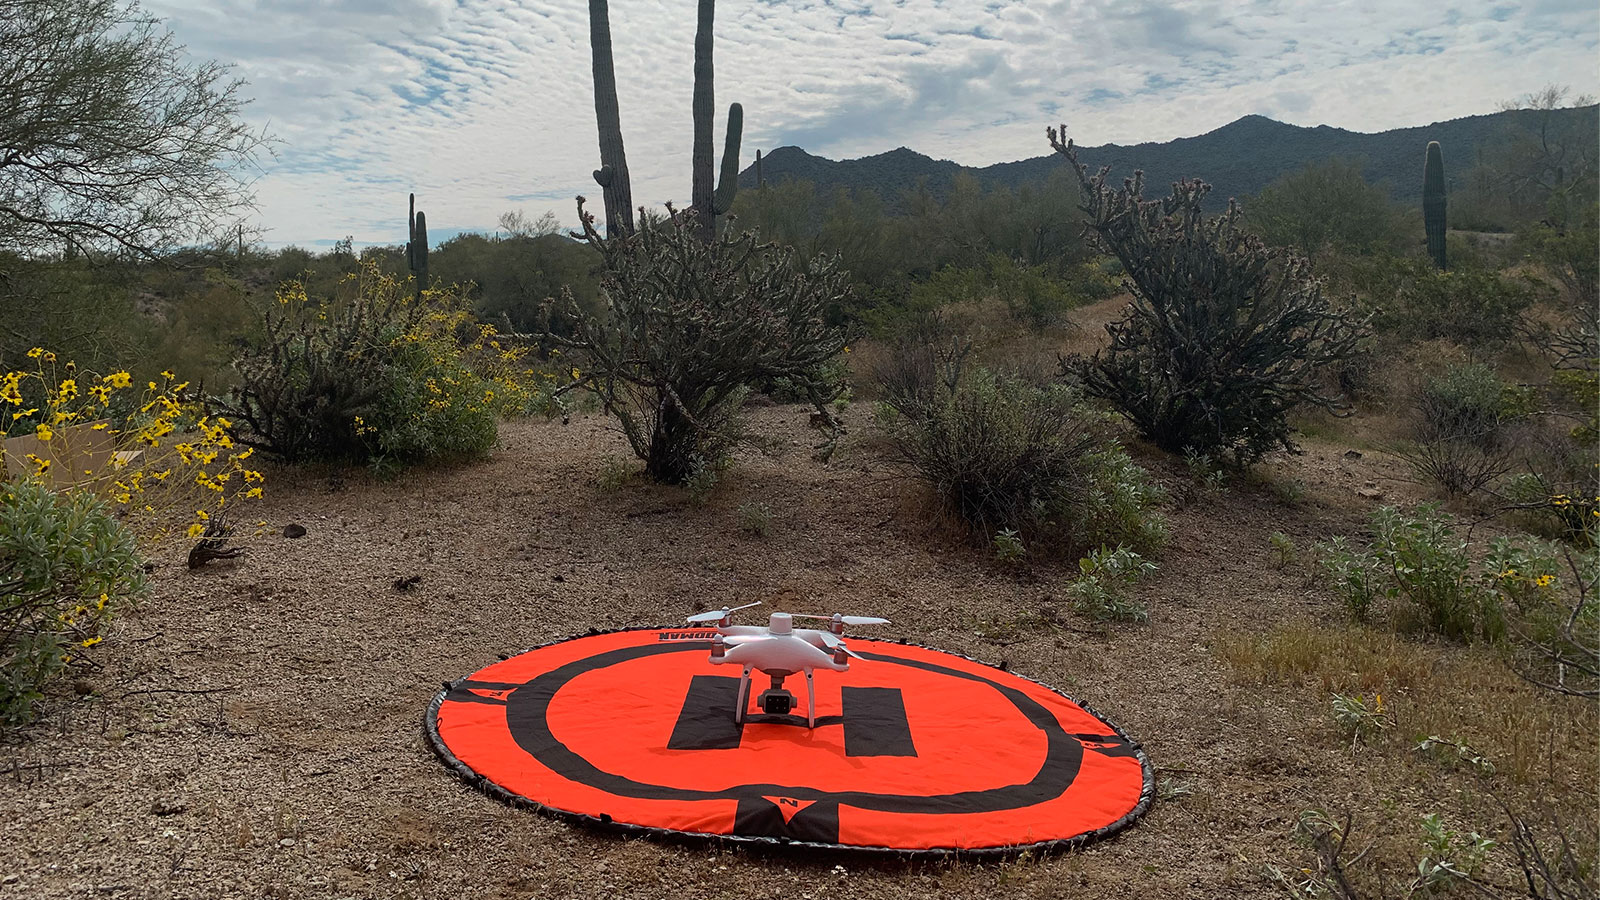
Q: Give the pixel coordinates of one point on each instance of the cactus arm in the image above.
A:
(728, 184)
(411, 235)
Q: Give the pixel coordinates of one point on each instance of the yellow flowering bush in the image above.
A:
(378, 374)
(150, 451)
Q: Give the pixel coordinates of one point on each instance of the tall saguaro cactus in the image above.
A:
(612, 176)
(760, 181)
(419, 251)
(411, 232)
(1433, 203)
(709, 204)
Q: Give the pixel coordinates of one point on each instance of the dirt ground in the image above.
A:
(255, 728)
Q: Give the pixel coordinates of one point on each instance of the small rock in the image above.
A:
(286, 842)
(1370, 493)
(294, 531)
(1352, 454)
(407, 583)
(167, 806)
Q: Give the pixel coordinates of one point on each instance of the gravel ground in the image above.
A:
(255, 728)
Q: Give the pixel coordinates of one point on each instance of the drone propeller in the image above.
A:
(834, 643)
(848, 620)
(717, 615)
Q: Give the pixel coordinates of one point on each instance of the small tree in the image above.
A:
(110, 139)
(690, 326)
(1224, 335)
(1326, 205)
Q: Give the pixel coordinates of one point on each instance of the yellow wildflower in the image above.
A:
(91, 641)
(44, 432)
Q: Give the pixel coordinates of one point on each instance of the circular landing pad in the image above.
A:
(914, 750)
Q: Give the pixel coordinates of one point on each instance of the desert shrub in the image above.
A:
(378, 374)
(692, 326)
(1105, 579)
(65, 565)
(1224, 335)
(921, 365)
(1433, 581)
(1030, 295)
(1417, 564)
(1412, 301)
(1001, 454)
(1464, 429)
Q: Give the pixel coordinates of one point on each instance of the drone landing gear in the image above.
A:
(775, 700)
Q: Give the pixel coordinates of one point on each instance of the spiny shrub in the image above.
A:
(1224, 335)
(692, 326)
(377, 374)
(1003, 454)
(65, 564)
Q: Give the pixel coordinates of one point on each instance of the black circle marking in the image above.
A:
(526, 719)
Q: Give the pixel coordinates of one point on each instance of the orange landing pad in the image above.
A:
(915, 750)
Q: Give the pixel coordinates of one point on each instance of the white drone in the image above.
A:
(780, 650)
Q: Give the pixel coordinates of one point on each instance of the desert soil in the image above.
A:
(254, 728)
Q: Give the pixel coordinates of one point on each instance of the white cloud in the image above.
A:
(481, 106)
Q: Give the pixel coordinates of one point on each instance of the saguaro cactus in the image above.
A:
(709, 204)
(760, 181)
(411, 233)
(419, 251)
(612, 176)
(1433, 203)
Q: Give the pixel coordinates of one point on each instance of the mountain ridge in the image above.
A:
(1238, 159)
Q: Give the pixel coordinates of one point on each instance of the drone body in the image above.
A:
(780, 650)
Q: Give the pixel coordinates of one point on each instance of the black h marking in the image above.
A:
(875, 723)
(706, 721)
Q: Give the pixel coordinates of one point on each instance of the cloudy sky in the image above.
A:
(484, 106)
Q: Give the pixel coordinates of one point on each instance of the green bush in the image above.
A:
(1417, 564)
(434, 406)
(1001, 454)
(1411, 301)
(65, 564)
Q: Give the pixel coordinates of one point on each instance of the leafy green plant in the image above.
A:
(1356, 576)
(755, 518)
(1101, 591)
(1008, 546)
(1224, 335)
(65, 565)
(1284, 552)
(1448, 856)
(1464, 430)
(1359, 718)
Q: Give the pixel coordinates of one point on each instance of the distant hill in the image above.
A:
(1238, 159)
